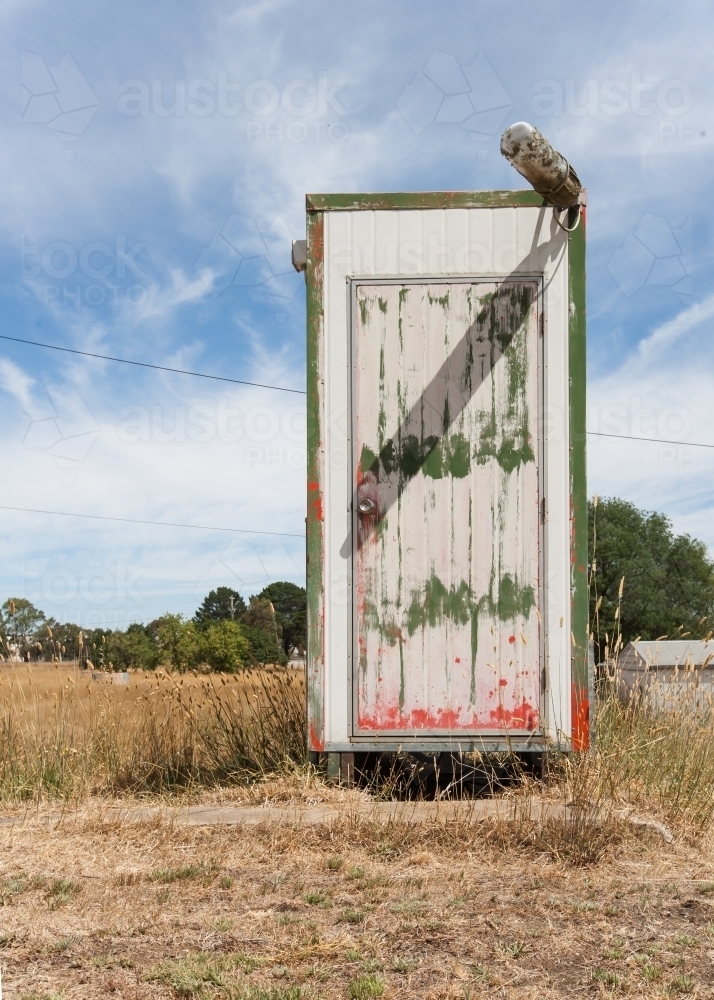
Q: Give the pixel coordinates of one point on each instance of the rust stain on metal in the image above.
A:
(447, 540)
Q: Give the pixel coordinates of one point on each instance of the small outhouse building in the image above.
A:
(447, 515)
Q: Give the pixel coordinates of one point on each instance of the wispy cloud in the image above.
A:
(667, 334)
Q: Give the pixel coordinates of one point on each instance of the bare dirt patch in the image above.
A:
(353, 909)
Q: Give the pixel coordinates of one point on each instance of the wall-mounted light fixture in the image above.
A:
(545, 169)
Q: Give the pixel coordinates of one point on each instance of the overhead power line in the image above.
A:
(630, 437)
(145, 364)
(164, 524)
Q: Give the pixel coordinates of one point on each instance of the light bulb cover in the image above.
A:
(545, 169)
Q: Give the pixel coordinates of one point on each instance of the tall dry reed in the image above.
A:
(77, 736)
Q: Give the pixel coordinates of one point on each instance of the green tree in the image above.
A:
(290, 603)
(263, 632)
(134, 648)
(223, 646)
(217, 607)
(66, 639)
(669, 579)
(177, 641)
(21, 620)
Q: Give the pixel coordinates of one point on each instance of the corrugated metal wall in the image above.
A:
(483, 244)
(446, 567)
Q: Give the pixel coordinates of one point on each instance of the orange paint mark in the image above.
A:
(580, 713)
(503, 682)
(457, 659)
(316, 741)
(511, 639)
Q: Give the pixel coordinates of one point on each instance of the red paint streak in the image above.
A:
(316, 504)
(316, 741)
(580, 712)
(511, 639)
(523, 717)
(457, 659)
(503, 682)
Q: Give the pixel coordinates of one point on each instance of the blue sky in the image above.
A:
(154, 161)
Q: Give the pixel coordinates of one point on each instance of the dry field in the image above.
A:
(96, 908)
(64, 734)
(98, 902)
(35, 690)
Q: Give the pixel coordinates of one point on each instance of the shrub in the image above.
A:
(223, 646)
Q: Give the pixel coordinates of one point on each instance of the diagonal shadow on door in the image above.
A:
(421, 441)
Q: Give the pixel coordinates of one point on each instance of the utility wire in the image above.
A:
(165, 524)
(630, 437)
(145, 364)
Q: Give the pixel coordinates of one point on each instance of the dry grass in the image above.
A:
(354, 909)
(62, 734)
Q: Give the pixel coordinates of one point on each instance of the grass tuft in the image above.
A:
(366, 987)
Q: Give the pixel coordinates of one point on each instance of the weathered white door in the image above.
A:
(446, 539)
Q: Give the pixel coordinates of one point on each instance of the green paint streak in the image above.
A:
(363, 311)
(450, 457)
(385, 627)
(513, 600)
(457, 604)
(368, 459)
(382, 304)
(439, 300)
(315, 583)
(371, 202)
(474, 651)
(438, 602)
(402, 299)
(578, 469)
(401, 674)
(505, 430)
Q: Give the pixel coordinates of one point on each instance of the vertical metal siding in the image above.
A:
(447, 575)
(493, 241)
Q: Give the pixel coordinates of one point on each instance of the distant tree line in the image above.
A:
(224, 634)
(668, 589)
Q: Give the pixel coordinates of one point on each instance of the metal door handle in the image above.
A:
(366, 505)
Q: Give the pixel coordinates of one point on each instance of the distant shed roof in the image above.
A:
(669, 653)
